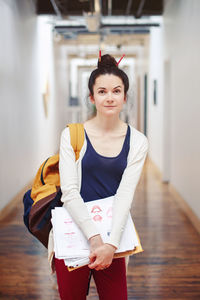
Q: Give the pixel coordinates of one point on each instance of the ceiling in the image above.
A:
(136, 8)
(97, 19)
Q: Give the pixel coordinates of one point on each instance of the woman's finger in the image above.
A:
(93, 265)
(106, 267)
(92, 255)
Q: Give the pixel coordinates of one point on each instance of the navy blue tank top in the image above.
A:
(101, 175)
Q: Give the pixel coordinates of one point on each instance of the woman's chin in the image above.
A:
(111, 111)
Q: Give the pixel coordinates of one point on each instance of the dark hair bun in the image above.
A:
(107, 62)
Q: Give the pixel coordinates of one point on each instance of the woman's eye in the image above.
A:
(117, 91)
(101, 92)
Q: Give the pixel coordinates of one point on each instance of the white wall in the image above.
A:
(182, 39)
(27, 137)
(181, 48)
(155, 112)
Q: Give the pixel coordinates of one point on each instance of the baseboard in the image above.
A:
(185, 207)
(8, 209)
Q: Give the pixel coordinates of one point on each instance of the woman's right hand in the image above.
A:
(101, 254)
(95, 242)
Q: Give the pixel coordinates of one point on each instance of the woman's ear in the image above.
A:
(125, 99)
(91, 98)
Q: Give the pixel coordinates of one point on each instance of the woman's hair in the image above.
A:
(107, 65)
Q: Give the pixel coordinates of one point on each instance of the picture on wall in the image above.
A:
(155, 92)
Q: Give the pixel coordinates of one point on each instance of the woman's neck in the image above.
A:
(107, 124)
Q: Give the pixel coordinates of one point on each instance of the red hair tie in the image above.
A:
(99, 55)
(120, 59)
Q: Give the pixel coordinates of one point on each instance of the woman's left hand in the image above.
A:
(101, 258)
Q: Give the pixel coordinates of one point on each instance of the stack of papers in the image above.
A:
(70, 243)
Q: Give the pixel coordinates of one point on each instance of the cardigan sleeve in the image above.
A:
(125, 192)
(71, 197)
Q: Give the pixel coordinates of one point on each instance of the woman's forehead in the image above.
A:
(108, 80)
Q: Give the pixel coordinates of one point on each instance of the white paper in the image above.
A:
(71, 244)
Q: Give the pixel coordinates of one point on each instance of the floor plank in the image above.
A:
(169, 267)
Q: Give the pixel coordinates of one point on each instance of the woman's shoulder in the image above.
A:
(137, 133)
(65, 135)
(138, 138)
(65, 131)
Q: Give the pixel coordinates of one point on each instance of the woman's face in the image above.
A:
(108, 94)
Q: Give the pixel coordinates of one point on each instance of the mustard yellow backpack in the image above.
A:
(46, 193)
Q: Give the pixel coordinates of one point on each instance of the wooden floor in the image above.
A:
(169, 268)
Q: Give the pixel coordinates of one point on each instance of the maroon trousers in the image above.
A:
(110, 283)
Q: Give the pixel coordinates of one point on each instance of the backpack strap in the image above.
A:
(77, 137)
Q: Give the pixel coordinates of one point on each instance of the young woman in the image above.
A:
(110, 163)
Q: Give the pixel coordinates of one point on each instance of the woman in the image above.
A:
(110, 163)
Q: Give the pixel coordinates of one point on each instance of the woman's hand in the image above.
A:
(95, 242)
(101, 254)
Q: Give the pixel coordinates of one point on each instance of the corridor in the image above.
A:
(168, 269)
(49, 48)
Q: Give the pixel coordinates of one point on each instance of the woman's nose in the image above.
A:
(109, 97)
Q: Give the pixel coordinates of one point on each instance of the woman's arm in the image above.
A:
(125, 192)
(69, 186)
(74, 203)
(102, 256)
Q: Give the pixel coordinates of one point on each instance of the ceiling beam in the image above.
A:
(140, 8)
(97, 6)
(109, 7)
(128, 8)
(56, 9)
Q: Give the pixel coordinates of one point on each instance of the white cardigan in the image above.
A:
(70, 183)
